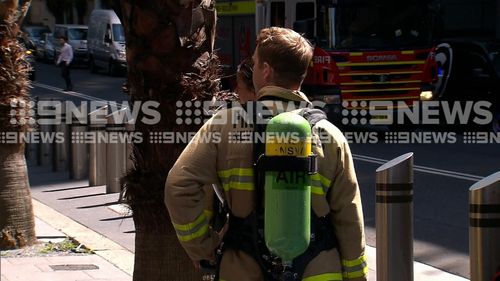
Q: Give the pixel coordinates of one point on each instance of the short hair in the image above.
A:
(245, 71)
(63, 37)
(287, 52)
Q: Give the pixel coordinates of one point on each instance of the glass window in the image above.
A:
(384, 24)
(118, 33)
(77, 34)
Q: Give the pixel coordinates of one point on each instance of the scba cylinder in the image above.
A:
(287, 193)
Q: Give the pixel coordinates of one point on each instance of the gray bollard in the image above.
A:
(31, 152)
(394, 219)
(116, 162)
(45, 147)
(484, 229)
(61, 149)
(79, 154)
(97, 149)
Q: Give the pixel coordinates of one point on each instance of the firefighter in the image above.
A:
(281, 60)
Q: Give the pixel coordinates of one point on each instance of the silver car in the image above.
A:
(45, 49)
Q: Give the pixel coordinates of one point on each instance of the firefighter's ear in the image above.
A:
(267, 72)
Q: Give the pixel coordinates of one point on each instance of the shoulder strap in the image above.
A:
(312, 115)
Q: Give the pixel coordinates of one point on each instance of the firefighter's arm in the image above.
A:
(347, 214)
(185, 196)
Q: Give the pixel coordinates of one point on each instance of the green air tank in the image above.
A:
(287, 194)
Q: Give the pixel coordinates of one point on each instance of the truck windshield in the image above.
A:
(375, 24)
(118, 33)
(77, 34)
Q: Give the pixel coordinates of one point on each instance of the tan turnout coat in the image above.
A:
(211, 158)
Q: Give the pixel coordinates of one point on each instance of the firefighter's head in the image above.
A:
(281, 58)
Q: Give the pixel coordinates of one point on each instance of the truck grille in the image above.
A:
(394, 80)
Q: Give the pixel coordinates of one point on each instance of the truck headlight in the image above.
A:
(120, 54)
(426, 95)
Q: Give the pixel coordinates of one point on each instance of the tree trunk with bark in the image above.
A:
(170, 58)
(17, 224)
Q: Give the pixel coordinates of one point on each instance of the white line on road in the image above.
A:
(423, 169)
(77, 94)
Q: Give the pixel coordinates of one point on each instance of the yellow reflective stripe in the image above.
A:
(356, 274)
(187, 227)
(237, 178)
(209, 214)
(192, 230)
(235, 172)
(380, 90)
(186, 238)
(325, 277)
(355, 262)
(238, 186)
(380, 63)
(318, 189)
(355, 268)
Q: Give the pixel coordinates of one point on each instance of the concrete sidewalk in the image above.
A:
(94, 218)
(57, 267)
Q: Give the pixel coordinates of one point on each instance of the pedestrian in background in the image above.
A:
(64, 61)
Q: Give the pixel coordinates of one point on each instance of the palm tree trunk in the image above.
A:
(17, 223)
(169, 56)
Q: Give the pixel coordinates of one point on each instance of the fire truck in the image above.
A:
(364, 50)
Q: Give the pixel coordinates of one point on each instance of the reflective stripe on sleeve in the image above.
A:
(324, 277)
(192, 230)
(237, 178)
(319, 184)
(355, 268)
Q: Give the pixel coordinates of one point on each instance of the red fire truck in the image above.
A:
(365, 50)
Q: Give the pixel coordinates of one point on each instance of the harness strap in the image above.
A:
(239, 237)
(288, 163)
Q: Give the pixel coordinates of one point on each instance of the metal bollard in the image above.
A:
(44, 147)
(484, 229)
(394, 219)
(61, 150)
(97, 148)
(31, 152)
(79, 156)
(116, 162)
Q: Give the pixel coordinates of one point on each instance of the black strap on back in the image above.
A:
(288, 163)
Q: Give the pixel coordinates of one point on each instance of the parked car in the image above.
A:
(77, 38)
(30, 56)
(45, 49)
(106, 42)
(33, 34)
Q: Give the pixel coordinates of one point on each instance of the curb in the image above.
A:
(99, 244)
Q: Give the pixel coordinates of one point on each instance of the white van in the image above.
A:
(106, 42)
(77, 38)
